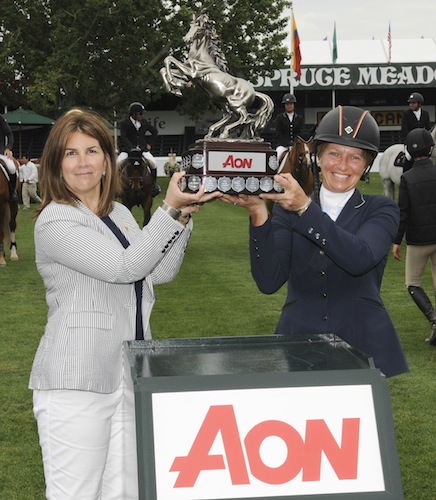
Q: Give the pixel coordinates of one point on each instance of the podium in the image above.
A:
(261, 417)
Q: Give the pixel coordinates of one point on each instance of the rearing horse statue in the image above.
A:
(245, 111)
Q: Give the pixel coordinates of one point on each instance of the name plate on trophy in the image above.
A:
(230, 167)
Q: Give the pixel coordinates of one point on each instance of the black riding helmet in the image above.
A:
(136, 107)
(419, 142)
(416, 97)
(289, 98)
(350, 126)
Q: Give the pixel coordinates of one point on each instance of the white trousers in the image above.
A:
(146, 154)
(88, 443)
(28, 192)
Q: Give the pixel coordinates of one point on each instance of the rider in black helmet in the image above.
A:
(414, 117)
(332, 255)
(138, 133)
(418, 222)
(288, 125)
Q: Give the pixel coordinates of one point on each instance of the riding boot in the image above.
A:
(423, 302)
(432, 339)
(13, 195)
(155, 190)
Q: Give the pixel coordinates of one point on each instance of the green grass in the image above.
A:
(213, 295)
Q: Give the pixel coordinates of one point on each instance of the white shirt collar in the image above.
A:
(333, 203)
(136, 123)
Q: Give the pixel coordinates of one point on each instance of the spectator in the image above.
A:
(29, 173)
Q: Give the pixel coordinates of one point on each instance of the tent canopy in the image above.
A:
(26, 117)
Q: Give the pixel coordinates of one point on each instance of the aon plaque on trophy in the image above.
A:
(230, 167)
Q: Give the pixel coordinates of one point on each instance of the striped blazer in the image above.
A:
(89, 279)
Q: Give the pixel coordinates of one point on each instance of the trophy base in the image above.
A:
(230, 167)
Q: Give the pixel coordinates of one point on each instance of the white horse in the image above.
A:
(389, 173)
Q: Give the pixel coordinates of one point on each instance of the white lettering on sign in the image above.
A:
(252, 443)
(353, 76)
(231, 161)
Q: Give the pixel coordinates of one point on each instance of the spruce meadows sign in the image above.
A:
(352, 77)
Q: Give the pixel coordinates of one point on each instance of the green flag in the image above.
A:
(335, 46)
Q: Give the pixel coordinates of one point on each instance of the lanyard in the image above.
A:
(138, 284)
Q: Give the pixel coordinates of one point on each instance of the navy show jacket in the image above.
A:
(334, 272)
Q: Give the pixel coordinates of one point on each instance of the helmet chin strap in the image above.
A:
(316, 181)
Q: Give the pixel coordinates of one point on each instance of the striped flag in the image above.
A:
(296, 52)
(335, 46)
(389, 44)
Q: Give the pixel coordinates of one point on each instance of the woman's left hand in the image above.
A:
(188, 202)
(293, 197)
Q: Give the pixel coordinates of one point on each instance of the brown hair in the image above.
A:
(52, 185)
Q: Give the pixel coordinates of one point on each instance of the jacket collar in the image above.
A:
(351, 208)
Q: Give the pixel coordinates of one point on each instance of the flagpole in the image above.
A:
(389, 44)
(334, 59)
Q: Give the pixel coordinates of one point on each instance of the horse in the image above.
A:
(390, 174)
(245, 111)
(8, 217)
(299, 161)
(137, 183)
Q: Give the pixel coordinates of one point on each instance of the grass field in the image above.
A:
(213, 295)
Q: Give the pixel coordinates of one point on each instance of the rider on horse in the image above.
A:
(6, 143)
(288, 125)
(138, 133)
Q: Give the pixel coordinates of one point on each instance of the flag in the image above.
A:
(389, 44)
(296, 52)
(335, 46)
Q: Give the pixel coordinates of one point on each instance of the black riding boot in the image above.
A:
(155, 190)
(423, 302)
(13, 195)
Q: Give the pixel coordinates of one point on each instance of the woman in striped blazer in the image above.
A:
(83, 400)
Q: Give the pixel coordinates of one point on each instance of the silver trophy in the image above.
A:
(232, 157)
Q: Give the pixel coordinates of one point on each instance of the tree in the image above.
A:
(105, 54)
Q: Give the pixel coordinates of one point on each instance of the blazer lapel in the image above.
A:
(351, 209)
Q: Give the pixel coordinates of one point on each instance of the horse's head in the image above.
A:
(198, 25)
(303, 150)
(136, 176)
(300, 161)
(137, 184)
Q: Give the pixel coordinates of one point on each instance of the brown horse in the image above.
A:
(8, 217)
(137, 183)
(299, 162)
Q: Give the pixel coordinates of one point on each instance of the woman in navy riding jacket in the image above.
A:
(331, 256)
